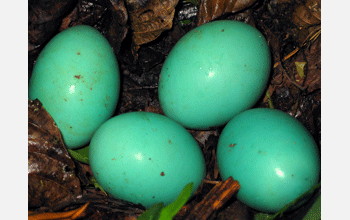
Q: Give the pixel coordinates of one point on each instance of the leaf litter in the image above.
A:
(292, 29)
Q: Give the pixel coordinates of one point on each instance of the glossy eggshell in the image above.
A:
(214, 72)
(145, 158)
(271, 155)
(76, 77)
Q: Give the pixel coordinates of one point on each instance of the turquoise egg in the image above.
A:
(214, 72)
(76, 78)
(146, 158)
(271, 155)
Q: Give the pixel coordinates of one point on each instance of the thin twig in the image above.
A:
(214, 200)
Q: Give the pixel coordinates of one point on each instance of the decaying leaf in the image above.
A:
(51, 176)
(149, 18)
(44, 18)
(116, 26)
(313, 57)
(109, 17)
(212, 9)
(288, 45)
(85, 12)
(307, 14)
(300, 66)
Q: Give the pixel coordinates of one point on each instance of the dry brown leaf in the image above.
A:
(313, 57)
(212, 9)
(149, 19)
(51, 175)
(308, 14)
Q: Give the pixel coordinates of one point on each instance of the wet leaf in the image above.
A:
(51, 176)
(149, 18)
(212, 9)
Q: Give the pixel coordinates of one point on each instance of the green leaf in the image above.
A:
(300, 68)
(81, 155)
(157, 212)
(170, 210)
(184, 22)
(152, 213)
(264, 216)
(269, 100)
(315, 211)
(97, 185)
